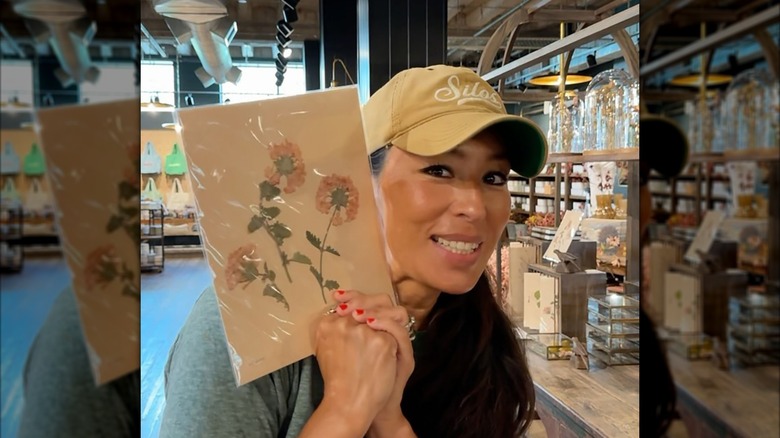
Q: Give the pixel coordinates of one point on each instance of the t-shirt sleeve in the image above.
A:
(201, 397)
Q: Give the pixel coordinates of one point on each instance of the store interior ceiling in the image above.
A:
(666, 26)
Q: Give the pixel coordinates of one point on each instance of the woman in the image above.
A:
(441, 146)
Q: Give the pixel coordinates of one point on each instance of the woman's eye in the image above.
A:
(438, 171)
(496, 178)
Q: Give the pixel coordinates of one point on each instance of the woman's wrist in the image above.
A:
(352, 418)
(392, 425)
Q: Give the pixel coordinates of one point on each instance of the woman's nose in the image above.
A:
(469, 201)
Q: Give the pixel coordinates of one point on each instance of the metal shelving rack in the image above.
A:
(11, 242)
(152, 236)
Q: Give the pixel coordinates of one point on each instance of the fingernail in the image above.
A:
(370, 320)
(343, 306)
(340, 291)
(359, 311)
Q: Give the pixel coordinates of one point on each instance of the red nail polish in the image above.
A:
(359, 311)
(340, 292)
(343, 306)
(370, 320)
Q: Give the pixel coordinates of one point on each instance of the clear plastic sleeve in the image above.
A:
(286, 214)
(92, 166)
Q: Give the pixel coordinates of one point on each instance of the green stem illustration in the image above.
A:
(322, 250)
(281, 253)
(130, 289)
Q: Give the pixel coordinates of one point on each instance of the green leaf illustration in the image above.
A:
(272, 275)
(332, 251)
(127, 274)
(316, 274)
(331, 285)
(129, 290)
(271, 212)
(538, 295)
(274, 292)
(255, 224)
(127, 191)
(300, 258)
(314, 240)
(129, 211)
(268, 191)
(249, 271)
(280, 232)
(114, 224)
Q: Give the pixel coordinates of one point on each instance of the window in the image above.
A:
(258, 81)
(158, 79)
(16, 80)
(116, 82)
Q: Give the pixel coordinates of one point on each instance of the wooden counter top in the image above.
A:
(742, 402)
(602, 402)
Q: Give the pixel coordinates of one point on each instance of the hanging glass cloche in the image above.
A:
(749, 113)
(564, 135)
(631, 119)
(607, 114)
(704, 128)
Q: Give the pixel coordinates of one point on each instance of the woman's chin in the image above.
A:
(458, 286)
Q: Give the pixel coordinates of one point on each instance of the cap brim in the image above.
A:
(526, 144)
(666, 149)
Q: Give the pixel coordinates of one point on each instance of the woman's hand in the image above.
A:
(379, 313)
(358, 366)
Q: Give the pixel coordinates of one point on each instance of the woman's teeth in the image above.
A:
(457, 247)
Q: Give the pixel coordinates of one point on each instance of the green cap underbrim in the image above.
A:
(664, 146)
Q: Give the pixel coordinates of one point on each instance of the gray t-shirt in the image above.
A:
(201, 397)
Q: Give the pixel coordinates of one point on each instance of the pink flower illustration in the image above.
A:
(338, 192)
(288, 163)
(240, 268)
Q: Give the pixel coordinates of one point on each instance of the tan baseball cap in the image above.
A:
(430, 110)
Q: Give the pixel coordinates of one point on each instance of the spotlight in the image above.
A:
(290, 14)
(284, 28)
(592, 60)
(282, 41)
(281, 63)
(287, 52)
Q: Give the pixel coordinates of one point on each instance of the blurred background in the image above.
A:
(61, 54)
(711, 254)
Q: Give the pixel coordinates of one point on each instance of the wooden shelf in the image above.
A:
(730, 156)
(587, 157)
(547, 196)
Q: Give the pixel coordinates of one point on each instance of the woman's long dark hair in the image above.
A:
(471, 378)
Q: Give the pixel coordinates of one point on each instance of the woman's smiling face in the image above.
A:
(443, 215)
